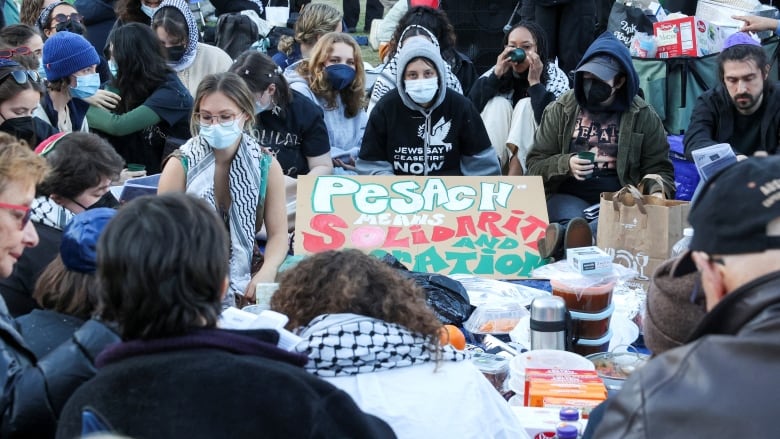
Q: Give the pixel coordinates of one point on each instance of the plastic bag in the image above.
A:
(564, 272)
(445, 296)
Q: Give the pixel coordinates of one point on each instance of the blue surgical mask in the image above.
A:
(113, 68)
(41, 70)
(221, 137)
(259, 107)
(339, 76)
(148, 10)
(421, 91)
(86, 86)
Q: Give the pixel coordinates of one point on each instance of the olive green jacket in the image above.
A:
(642, 146)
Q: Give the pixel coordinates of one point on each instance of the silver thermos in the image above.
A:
(548, 323)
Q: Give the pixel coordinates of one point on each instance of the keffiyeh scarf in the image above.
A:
(350, 344)
(246, 185)
(386, 80)
(47, 212)
(192, 37)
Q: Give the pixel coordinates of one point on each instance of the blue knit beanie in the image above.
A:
(65, 53)
(80, 237)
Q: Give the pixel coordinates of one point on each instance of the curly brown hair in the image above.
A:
(313, 69)
(29, 11)
(350, 281)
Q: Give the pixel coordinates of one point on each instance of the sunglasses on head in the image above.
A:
(21, 76)
(10, 53)
(64, 18)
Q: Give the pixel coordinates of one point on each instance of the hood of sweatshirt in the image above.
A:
(607, 45)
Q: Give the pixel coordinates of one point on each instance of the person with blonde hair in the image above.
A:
(334, 77)
(227, 167)
(34, 390)
(373, 336)
(315, 20)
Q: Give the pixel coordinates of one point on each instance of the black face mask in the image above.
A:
(107, 200)
(22, 128)
(175, 53)
(71, 26)
(596, 91)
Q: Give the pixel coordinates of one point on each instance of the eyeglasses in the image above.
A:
(21, 76)
(205, 119)
(10, 53)
(26, 212)
(64, 18)
(697, 294)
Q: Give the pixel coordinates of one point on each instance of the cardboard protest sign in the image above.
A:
(484, 226)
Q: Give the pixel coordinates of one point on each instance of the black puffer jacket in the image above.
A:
(34, 391)
(691, 391)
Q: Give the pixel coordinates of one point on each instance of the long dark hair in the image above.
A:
(540, 37)
(435, 20)
(140, 58)
(129, 11)
(259, 71)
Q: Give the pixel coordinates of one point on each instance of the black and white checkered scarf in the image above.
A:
(349, 344)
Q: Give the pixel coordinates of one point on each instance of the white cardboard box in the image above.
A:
(589, 260)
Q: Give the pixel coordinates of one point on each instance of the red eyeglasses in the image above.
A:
(26, 212)
(10, 53)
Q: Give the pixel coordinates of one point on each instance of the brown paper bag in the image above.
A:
(638, 230)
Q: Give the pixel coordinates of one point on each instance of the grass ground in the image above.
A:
(370, 55)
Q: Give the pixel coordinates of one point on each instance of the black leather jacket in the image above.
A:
(34, 391)
(724, 383)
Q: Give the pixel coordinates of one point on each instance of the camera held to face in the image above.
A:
(517, 55)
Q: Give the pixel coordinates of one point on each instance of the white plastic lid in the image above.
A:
(688, 231)
(596, 342)
(593, 316)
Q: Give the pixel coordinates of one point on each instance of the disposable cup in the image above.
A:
(264, 292)
(591, 157)
(135, 167)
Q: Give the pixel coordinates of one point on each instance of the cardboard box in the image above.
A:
(589, 260)
(688, 36)
(538, 391)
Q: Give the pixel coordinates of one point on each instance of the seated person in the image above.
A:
(34, 389)
(511, 96)
(197, 381)
(68, 287)
(178, 33)
(333, 77)
(424, 127)
(602, 115)
(434, 25)
(735, 348)
(743, 110)
(82, 168)
(374, 337)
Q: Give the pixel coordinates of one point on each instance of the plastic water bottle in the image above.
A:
(683, 244)
(570, 416)
(567, 431)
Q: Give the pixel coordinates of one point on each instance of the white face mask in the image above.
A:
(422, 91)
(221, 137)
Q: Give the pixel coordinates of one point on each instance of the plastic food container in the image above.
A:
(586, 346)
(592, 299)
(615, 367)
(495, 318)
(593, 325)
(494, 367)
(546, 359)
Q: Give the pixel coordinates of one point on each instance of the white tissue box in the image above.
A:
(589, 260)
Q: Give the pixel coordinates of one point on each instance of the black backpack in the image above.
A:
(235, 33)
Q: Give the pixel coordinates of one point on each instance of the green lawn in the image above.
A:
(369, 55)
